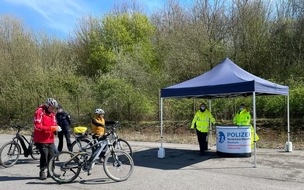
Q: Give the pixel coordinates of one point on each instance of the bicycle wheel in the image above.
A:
(118, 165)
(64, 168)
(79, 144)
(35, 154)
(9, 154)
(123, 145)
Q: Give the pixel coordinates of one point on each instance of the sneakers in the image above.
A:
(42, 175)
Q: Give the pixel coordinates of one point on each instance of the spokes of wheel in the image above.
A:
(123, 145)
(9, 154)
(118, 165)
(79, 144)
(64, 167)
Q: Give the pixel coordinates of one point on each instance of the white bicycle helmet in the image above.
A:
(51, 102)
(99, 111)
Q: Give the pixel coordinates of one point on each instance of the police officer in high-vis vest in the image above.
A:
(243, 118)
(201, 122)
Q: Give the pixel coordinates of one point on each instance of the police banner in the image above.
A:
(233, 140)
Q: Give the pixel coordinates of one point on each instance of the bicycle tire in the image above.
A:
(63, 168)
(35, 153)
(118, 165)
(9, 154)
(122, 144)
(83, 142)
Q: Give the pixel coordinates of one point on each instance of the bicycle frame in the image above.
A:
(19, 145)
(101, 145)
(88, 163)
(22, 139)
(113, 136)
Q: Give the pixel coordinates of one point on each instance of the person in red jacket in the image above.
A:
(44, 127)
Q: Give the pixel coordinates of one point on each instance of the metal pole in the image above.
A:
(288, 145)
(210, 125)
(161, 150)
(161, 122)
(288, 122)
(254, 125)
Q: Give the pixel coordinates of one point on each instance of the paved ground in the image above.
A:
(182, 168)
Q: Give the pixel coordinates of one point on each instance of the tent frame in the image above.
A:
(161, 153)
(226, 80)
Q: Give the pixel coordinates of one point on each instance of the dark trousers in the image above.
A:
(202, 141)
(46, 153)
(67, 135)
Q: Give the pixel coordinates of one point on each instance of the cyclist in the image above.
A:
(98, 125)
(44, 127)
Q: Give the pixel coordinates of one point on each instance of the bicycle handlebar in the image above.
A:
(113, 126)
(20, 127)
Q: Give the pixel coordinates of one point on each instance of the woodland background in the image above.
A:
(120, 61)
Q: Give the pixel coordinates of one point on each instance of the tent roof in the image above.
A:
(224, 80)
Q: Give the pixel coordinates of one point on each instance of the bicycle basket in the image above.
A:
(80, 131)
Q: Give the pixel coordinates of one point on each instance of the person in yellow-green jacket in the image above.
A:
(201, 122)
(243, 118)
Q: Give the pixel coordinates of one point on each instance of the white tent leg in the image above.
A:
(210, 141)
(288, 145)
(254, 125)
(161, 150)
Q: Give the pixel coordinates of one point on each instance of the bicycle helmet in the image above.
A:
(99, 111)
(51, 102)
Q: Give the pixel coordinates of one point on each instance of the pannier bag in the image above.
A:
(80, 131)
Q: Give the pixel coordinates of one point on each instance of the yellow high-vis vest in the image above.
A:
(201, 121)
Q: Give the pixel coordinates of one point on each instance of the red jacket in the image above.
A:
(43, 122)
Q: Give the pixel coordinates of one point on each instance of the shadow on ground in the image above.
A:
(14, 178)
(22, 162)
(174, 158)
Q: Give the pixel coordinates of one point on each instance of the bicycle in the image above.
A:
(11, 151)
(66, 166)
(81, 139)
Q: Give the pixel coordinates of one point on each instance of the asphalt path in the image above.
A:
(181, 168)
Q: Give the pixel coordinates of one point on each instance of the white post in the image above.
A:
(254, 125)
(161, 150)
(288, 145)
(210, 125)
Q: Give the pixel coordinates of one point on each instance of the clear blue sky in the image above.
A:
(59, 17)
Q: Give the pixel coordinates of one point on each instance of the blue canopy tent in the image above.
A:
(224, 81)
